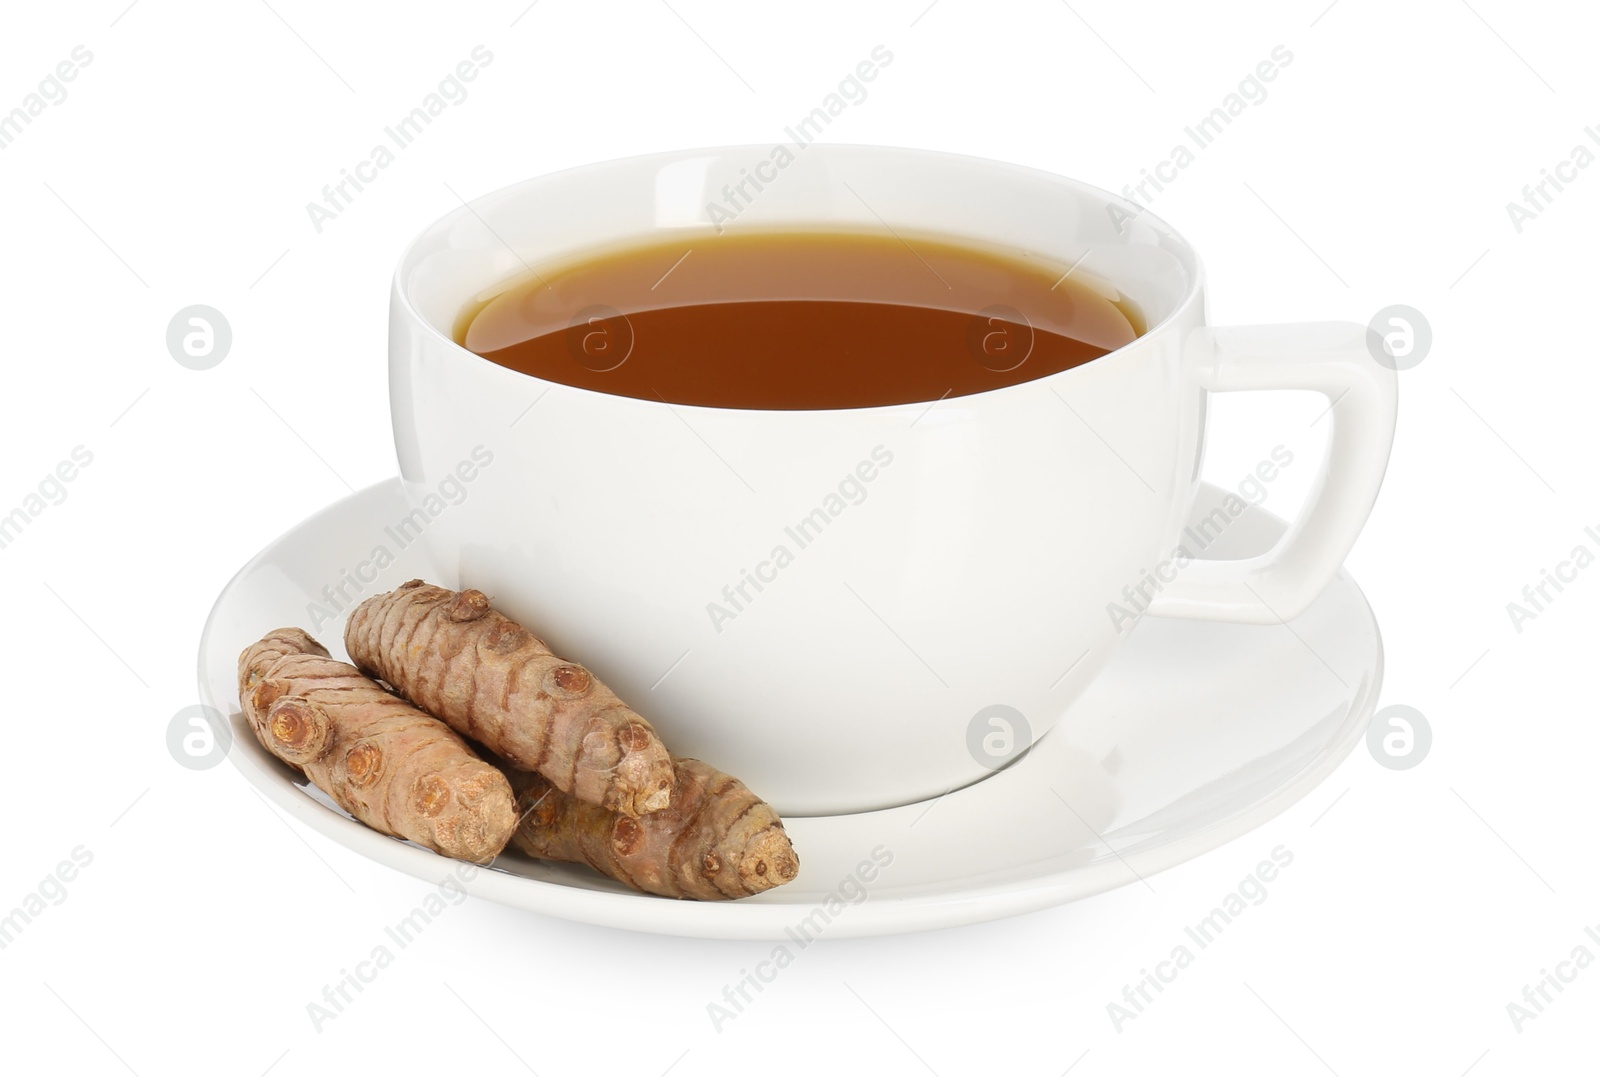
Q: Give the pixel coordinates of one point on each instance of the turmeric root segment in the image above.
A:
(716, 840)
(394, 768)
(257, 658)
(493, 681)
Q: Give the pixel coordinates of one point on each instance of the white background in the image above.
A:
(1377, 171)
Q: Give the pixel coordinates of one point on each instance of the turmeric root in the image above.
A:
(257, 658)
(492, 680)
(391, 766)
(716, 840)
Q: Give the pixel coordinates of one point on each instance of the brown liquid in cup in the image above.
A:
(799, 320)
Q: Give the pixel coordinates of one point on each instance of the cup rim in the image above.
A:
(1188, 256)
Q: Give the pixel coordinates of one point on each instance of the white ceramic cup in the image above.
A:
(958, 582)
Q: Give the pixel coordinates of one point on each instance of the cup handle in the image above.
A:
(1333, 359)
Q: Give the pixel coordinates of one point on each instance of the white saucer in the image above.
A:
(1194, 734)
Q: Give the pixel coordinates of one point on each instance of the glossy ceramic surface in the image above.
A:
(769, 585)
(1195, 733)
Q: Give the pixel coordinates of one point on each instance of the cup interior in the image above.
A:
(484, 247)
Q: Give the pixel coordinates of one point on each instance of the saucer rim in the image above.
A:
(766, 916)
